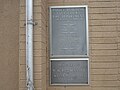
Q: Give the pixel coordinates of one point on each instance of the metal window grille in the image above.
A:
(69, 72)
(69, 51)
(68, 31)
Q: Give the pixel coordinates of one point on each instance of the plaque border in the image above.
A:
(50, 33)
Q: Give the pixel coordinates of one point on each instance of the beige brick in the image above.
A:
(22, 84)
(103, 10)
(37, 2)
(58, 1)
(103, 4)
(118, 3)
(59, 88)
(43, 70)
(105, 88)
(22, 10)
(39, 22)
(103, 59)
(39, 60)
(104, 52)
(22, 68)
(22, 60)
(101, 0)
(22, 3)
(78, 88)
(103, 34)
(119, 76)
(75, 1)
(118, 16)
(44, 83)
(22, 31)
(104, 77)
(103, 40)
(39, 53)
(119, 34)
(44, 16)
(102, 22)
(105, 83)
(38, 16)
(104, 46)
(56, 4)
(118, 28)
(22, 23)
(118, 39)
(103, 28)
(22, 53)
(40, 31)
(38, 88)
(118, 45)
(22, 76)
(22, 45)
(22, 88)
(119, 52)
(104, 71)
(37, 76)
(37, 9)
(102, 16)
(45, 2)
(51, 88)
(39, 45)
(38, 38)
(22, 38)
(104, 65)
(118, 22)
(119, 71)
(44, 8)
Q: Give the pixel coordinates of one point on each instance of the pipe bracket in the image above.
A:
(31, 22)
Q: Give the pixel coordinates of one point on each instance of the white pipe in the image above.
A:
(29, 44)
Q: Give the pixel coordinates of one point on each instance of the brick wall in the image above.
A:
(104, 36)
(39, 46)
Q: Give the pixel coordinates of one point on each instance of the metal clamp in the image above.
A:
(31, 22)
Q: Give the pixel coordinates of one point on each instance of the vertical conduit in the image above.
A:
(29, 44)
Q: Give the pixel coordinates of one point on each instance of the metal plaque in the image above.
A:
(69, 72)
(68, 31)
